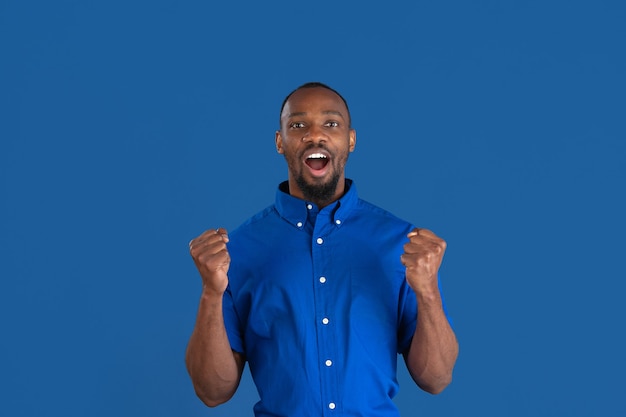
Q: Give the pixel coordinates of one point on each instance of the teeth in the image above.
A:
(317, 156)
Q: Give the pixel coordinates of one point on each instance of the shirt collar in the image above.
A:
(295, 210)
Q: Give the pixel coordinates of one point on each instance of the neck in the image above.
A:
(322, 196)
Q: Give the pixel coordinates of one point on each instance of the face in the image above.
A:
(316, 139)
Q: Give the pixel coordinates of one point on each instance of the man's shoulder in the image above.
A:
(261, 219)
(367, 209)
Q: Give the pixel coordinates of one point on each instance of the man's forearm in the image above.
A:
(434, 347)
(214, 368)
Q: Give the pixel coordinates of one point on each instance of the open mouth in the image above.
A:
(316, 161)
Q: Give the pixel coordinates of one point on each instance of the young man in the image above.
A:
(320, 291)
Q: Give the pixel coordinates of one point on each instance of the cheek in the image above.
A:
(292, 160)
(342, 155)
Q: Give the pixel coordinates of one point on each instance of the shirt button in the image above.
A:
(299, 224)
(331, 406)
(338, 221)
(320, 240)
(309, 206)
(325, 320)
(322, 279)
(328, 362)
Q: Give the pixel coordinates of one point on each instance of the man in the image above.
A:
(320, 291)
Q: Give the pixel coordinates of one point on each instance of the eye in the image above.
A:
(332, 123)
(296, 125)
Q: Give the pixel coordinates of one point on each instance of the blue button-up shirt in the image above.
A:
(319, 305)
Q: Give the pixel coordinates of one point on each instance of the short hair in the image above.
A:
(314, 84)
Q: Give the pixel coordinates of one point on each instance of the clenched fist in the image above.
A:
(422, 257)
(211, 257)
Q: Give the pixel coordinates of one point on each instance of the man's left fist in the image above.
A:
(422, 257)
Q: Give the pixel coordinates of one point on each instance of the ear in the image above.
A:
(352, 139)
(279, 142)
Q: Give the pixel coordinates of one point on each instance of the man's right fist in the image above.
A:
(211, 257)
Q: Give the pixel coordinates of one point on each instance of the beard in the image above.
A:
(319, 193)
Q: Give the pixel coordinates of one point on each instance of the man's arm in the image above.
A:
(434, 348)
(214, 368)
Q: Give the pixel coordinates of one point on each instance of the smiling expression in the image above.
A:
(315, 137)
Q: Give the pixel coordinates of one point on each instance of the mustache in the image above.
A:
(319, 147)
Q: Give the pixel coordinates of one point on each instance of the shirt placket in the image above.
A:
(323, 284)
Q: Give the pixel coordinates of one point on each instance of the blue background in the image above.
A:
(129, 127)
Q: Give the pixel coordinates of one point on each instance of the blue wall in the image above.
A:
(127, 128)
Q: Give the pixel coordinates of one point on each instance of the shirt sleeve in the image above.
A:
(408, 315)
(232, 322)
(407, 311)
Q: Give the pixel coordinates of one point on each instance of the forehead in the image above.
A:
(313, 101)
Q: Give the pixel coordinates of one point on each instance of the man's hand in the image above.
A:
(215, 369)
(211, 257)
(422, 257)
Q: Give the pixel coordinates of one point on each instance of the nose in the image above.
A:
(315, 134)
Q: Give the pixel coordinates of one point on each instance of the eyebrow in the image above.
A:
(303, 113)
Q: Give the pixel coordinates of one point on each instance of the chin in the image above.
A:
(321, 189)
